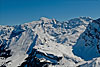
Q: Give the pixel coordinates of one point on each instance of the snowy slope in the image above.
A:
(51, 43)
(88, 44)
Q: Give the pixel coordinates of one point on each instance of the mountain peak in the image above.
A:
(44, 19)
(84, 17)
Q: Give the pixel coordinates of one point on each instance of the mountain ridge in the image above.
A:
(46, 42)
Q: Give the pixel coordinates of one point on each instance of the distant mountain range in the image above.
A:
(51, 43)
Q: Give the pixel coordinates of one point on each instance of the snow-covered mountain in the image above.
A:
(51, 43)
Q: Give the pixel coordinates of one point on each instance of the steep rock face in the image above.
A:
(88, 44)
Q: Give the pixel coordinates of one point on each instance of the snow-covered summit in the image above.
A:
(44, 19)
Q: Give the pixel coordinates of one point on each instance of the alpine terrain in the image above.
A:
(51, 43)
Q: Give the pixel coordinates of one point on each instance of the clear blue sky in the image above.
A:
(21, 11)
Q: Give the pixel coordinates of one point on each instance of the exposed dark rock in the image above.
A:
(4, 52)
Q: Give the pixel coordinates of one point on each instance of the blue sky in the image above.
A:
(21, 11)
